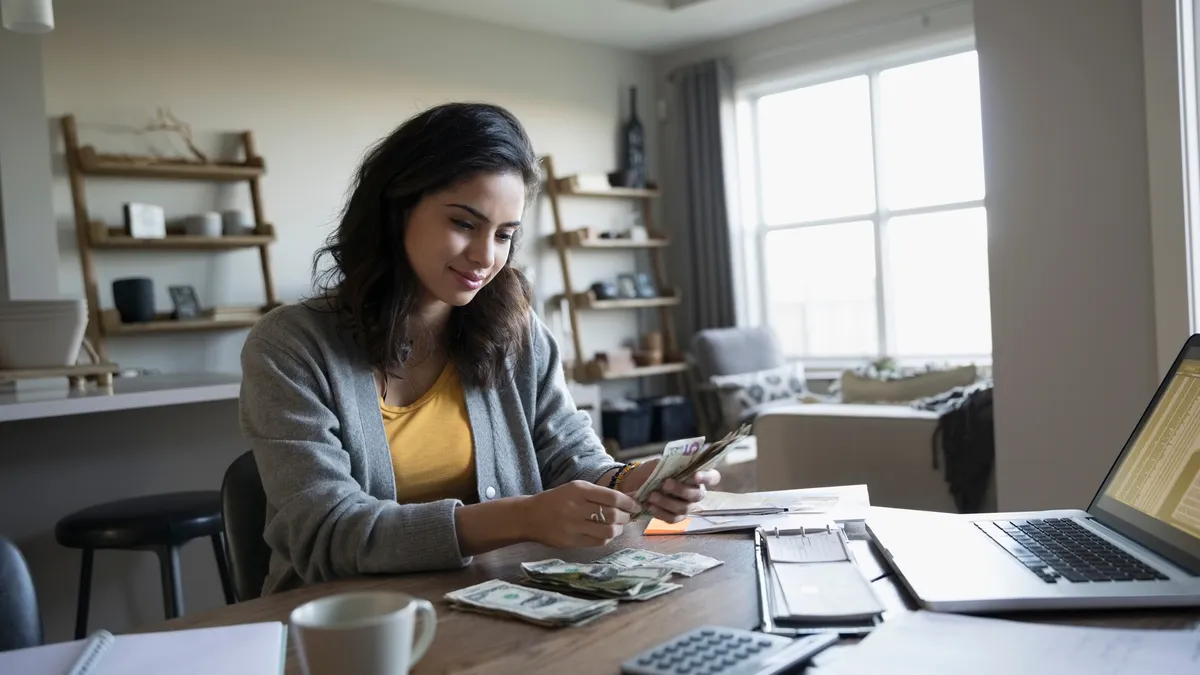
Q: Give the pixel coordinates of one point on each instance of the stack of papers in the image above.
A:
(928, 643)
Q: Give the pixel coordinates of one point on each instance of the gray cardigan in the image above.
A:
(310, 411)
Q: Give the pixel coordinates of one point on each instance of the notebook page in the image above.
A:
(250, 649)
(811, 548)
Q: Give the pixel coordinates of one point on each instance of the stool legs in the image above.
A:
(218, 542)
(172, 585)
(85, 594)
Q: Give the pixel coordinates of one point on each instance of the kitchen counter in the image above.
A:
(127, 393)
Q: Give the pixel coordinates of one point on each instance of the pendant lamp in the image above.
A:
(27, 16)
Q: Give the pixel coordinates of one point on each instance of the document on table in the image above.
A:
(928, 643)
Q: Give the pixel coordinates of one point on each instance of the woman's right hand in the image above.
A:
(576, 514)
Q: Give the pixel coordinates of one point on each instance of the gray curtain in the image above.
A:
(703, 97)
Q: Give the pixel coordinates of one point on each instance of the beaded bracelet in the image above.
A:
(619, 476)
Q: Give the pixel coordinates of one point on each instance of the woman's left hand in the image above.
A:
(675, 499)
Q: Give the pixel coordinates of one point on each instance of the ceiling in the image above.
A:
(651, 26)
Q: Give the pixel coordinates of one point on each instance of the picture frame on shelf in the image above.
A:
(145, 221)
(645, 285)
(627, 285)
(186, 302)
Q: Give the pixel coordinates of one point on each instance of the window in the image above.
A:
(872, 234)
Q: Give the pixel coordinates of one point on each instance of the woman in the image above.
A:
(416, 414)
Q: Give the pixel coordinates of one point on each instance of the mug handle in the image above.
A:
(428, 621)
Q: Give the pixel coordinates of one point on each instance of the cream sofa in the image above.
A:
(887, 447)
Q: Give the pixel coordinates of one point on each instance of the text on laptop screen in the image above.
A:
(1160, 475)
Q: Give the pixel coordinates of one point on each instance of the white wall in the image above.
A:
(26, 215)
(856, 27)
(1064, 124)
(1164, 152)
(317, 82)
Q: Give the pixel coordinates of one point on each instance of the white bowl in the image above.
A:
(42, 341)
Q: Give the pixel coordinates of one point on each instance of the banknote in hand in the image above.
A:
(683, 458)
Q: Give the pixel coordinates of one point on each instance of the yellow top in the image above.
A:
(433, 453)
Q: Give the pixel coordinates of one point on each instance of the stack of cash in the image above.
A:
(600, 580)
(683, 458)
(686, 563)
(534, 605)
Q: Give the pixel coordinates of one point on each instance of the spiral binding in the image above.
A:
(97, 644)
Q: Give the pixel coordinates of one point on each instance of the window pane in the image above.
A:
(937, 284)
(820, 284)
(814, 149)
(932, 143)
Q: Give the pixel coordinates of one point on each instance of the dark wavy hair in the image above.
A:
(371, 283)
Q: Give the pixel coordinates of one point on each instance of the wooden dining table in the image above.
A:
(726, 595)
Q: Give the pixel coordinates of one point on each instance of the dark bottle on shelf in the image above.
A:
(634, 140)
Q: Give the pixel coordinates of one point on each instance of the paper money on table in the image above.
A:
(685, 563)
(683, 458)
(600, 580)
(534, 605)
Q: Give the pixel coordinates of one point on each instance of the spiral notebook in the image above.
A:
(249, 649)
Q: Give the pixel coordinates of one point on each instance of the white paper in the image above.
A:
(250, 649)
(928, 643)
(818, 547)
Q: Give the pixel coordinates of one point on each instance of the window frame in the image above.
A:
(752, 194)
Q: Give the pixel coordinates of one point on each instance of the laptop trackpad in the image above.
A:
(946, 556)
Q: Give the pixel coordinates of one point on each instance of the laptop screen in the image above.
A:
(1152, 493)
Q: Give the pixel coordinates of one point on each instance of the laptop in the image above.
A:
(1137, 544)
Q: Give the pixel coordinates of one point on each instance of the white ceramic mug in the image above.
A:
(366, 633)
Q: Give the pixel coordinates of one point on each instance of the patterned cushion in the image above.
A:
(744, 393)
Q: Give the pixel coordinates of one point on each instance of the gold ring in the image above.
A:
(598, 516)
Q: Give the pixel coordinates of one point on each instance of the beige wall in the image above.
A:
(317, 82)
(1064, 123)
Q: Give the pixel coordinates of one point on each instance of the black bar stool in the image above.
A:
(159, 523)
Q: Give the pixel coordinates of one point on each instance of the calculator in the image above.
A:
(716, 650)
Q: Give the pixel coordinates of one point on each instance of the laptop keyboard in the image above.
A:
(1060, 548)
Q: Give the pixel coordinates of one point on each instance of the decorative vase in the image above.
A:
(634, 142)
(134, 298)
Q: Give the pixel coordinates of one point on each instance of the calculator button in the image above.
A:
(708, 632)
(764, 643)
(743, 638)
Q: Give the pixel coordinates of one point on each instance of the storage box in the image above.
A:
(628, 427)
(672, 418)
